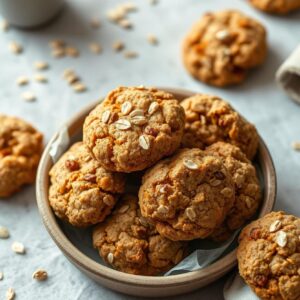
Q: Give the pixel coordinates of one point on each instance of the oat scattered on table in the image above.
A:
(95, 23)
(130, 54)
(10, 294)
(28, 96)
(40, 78)
(118, 46)
(15, 48)
(95, 48)
(296, 146)
(74, 81)
(4, 26)
(1, 276)
(18, 248)
(57, 43)
(152, 39)
(153, 2)
(79, 87)
(58, 53)
(125, 23)
(22, 80)
(40, 275)
(4, 233)
(41, 65)
(72, 51)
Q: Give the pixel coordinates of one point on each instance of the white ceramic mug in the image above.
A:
(29, 13)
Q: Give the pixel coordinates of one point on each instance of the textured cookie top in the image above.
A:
(269, 256)
(81, 191)
(210, 119)
(133, 128)
(130, 244)
(221, 47)
(247, 189)
(276, 6)
(20, 150)
(187, 196)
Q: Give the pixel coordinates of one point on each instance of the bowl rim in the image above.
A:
(91, 266)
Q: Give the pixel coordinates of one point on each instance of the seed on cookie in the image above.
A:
(275, 226)
(18, 248)
(122, 124)
(190, 164)
(126, 108)
(190, 212)
(4, 233)
(162, 209)
(153, 108)
(90, 178)
(144, 142)
(281, 238)
(40, 275)
(139, 120)
(223, 35)
(136, 112)
(110, 257)
(10, 294)
(123, 209)
(105, 116)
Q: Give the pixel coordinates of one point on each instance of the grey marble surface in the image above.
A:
(258, 98)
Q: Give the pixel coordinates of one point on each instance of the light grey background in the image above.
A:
(259, 99)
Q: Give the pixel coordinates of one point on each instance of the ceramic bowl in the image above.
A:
(76, 244)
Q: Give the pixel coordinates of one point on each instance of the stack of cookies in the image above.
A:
(197, 178)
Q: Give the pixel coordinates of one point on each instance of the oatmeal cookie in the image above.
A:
(130, 244)
(188, 195)
(210, 119)
(81, 191)
(269, 256)
(133, 128)
(247, 189)
(222, 46)
(21, 147)
(276, 6)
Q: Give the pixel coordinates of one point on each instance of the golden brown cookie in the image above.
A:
(130, 244)
(209, 119)
(188, 195)
(247, 189)
(133, 128)
(21, 147)
(222, 46)
(276, 6)
(269, 256)
(81, 191)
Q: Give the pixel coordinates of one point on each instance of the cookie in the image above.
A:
(269, 256)
(276, 6)
(81, 191)
(133, 128)
(21, 147)
(222, 46)
(130, 244)
(188, 195)
(209, 119)
(247, 189)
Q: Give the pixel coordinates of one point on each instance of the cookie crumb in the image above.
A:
(15, 48)
(95, 48)
(41, 65)
(190, 164)
(130, 54)
(22, 80)
(40, 275)
(18, 248)
(296, 146)
(4, 26)
(118, 46)
(152, 39)
(40, 78)
(10, 294)
(4, 233)
(28, 96)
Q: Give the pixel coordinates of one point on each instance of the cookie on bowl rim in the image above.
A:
(247, 188)
(130, 244)
(133, 128)
(269, 256)
(21, 146)
(187, 196)
(222, 46)
(81, 191)
(276, 6)
(209, 119)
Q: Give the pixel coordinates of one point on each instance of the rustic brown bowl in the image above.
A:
(153, 286)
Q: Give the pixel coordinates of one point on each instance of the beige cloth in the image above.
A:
(288, 75)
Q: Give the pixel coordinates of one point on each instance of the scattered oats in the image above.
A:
(41, 65)
(281, 238)
(57, 43)
(15, 48)
(222, 35)
(122, 124)
(10, 294)
(95, 48)
(114, 15)
(105, 116)
(275, 226)
(18, 248)
(95, 23)
(79, 87)
(124, 23)
(58, 52)
(153, 2)
(4, 233)
(28, 96)
(190, 164)
(4, 26)
(110, 258)
(1, 276)
(68, 72)
(72, 51)
(144, 142)
(123, 209)
(190, 212)
(40, 78)
(40, 275)
(126, 108)
(153, 108)
(152, 39)
(139, 120)
(22, 80)
(296, 146)
(162, 209)
(128, 7)
(130, 54)
(118, 46)
(137, 112)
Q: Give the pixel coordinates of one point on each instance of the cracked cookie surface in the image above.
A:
(81, 191)
(276, 6)
(188, 195)
(209, 119)
(130, 244)
(21, 147)
(269, 256)
(222, 46)
(133, 128)
(247, 188)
